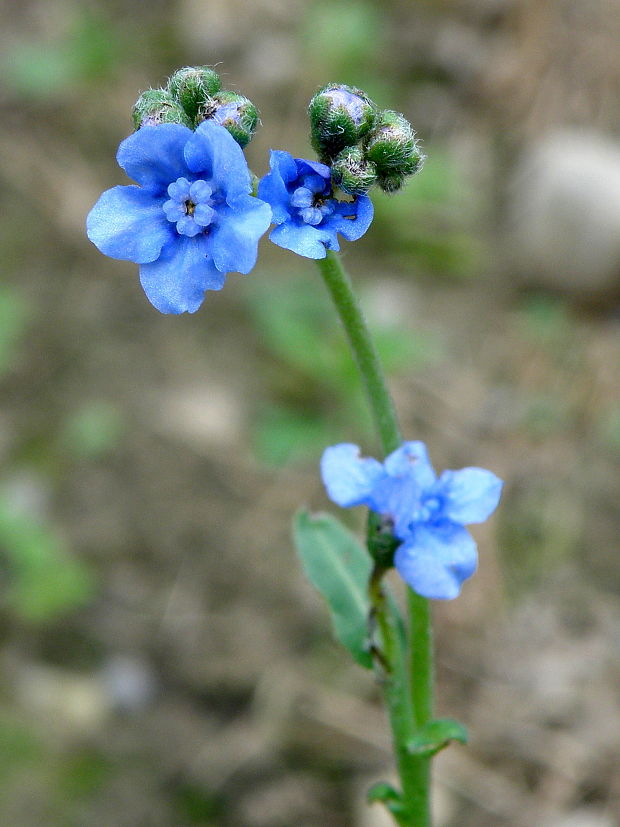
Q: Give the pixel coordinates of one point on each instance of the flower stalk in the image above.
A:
(408, 684)
(341, 290)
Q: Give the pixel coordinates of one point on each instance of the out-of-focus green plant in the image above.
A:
(609, 426)
(429, 227)
(44, 580)
(88, 50)
(336, 34)
(14, 315)
(93, 430)
(541, 532)
(319, 386)
(546, 321)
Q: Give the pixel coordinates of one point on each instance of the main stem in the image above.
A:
(408, 692)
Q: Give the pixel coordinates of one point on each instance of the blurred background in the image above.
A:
(163, 662)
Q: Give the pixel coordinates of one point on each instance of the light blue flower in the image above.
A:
(427, 514)
(307, 215)
(190, 221)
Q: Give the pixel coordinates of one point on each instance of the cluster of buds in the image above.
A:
(193, 95)
(362, 144)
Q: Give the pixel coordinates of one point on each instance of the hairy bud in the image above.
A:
(234, 112)
(156, 106)
(193, 86)
(340, 116)
(393, 148)
(352, 172)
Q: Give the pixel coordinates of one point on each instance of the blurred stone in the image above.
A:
(68, 702)
(200, 416)
(129, 683)
(27, 494)
(223, 26)
(564, 215)
(586, 817)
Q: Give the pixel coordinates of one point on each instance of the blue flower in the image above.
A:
(191, 220)
(307, 215)
(427, 514)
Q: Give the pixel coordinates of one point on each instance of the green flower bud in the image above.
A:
(340, 116)
(352, 172)
(391, 182)
(192, 87)
(156, 106)
(234, 112)
(392, 145)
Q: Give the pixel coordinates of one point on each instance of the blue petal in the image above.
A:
(236, 234)
(470, 495)
(349, 478)
(304, 239)
(129, 223)
(213, 153)
(153, 156)
(272, 188)
(436, 560)
(409, 475)
(411, 460)
(353, 228)
(316, 184)
(284, 164)
(313, 168)
(177, 281)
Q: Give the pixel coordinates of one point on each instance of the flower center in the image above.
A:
(190, 206)
(426, 511)
(310, 201)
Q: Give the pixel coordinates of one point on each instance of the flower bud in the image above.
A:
(192, 87)
(340, 116)
(352, 172)
(234, 112)
(391, 182)
(392, 146)
(156, 106)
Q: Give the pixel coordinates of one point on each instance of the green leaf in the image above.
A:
(284, 435)
(391, 799)
(436, 735)
(382, 791)
(339, 567)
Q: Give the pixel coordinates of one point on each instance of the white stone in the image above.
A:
(564, 216)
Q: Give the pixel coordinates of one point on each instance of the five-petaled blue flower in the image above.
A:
(427, 514)
(307, 215)
(191, 220)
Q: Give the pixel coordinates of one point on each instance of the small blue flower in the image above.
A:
(428, 514)
(191, 220)
(307, 215)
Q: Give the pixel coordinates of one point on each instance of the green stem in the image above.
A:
(408, 691)
(341, 290)
(421, 681)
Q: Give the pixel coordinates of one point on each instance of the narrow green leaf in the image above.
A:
(392, 800)
(382, 791)
(338, 566)
(436, 735)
